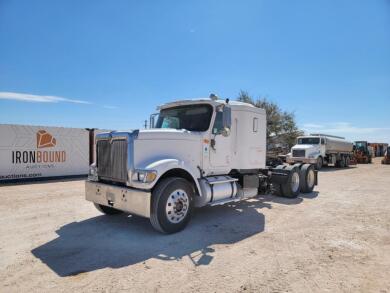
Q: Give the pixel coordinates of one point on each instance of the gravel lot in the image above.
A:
(334, 239)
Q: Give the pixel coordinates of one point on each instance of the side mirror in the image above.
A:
(227, 117)
(152, 120)
(223, 121)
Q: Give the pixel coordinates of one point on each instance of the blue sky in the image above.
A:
(108, 64)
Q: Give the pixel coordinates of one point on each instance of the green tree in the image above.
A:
(279, 123)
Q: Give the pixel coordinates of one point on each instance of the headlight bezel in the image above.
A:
(144, 176)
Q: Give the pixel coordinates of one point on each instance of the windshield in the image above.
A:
(190, 117)
(361, 144)
(309, 140)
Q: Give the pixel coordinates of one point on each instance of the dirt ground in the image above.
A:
(334, 239)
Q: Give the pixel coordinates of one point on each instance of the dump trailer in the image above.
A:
(199, 153)
(320, 150)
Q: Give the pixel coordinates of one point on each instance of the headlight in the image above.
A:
(92, 174)
(144, 176)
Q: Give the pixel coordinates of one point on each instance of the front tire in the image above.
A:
(172, 205)
(107, 210)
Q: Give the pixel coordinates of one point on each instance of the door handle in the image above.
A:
(212, 143)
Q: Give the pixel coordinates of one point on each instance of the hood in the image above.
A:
(161, 146)
(305, 146)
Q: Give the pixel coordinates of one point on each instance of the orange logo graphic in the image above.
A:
(45, 139)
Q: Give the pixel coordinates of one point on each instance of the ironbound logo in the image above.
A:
(44, 140)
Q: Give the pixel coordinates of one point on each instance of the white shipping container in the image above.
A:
(38, 151)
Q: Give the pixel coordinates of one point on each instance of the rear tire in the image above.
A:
(172, 205)
(291, 188)
(307, 178)
(342, 162)
(107, 210)
(347, 162)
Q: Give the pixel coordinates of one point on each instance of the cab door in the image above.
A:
(220, 140)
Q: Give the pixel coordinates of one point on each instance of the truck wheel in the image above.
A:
(172, 205)
(107, 210)
(347, 162)
(319, 163)
(307, 178)
(291, 187)
(342, 162)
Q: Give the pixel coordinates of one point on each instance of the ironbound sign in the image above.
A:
(37, 151)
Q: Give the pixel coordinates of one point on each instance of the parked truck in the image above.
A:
(200, 152)
(321, 149)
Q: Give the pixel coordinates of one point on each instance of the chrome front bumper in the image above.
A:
(129, 200)
(301, 160)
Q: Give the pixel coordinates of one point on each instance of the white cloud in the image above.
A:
(110, 107)
(37, 98)
(351, 132)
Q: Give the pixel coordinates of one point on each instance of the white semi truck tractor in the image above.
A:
(199, 152)
(321, 149)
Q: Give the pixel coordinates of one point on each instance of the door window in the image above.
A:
(218, 123)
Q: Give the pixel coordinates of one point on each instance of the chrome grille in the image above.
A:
(298, 153)
(112, 160)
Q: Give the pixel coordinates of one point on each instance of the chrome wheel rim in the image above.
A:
(177, 206)
(294, 182)
(310, 178)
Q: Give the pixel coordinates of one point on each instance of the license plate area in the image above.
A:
(110, 196)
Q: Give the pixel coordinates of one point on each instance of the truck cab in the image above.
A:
(198, 152)
(308, 149)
